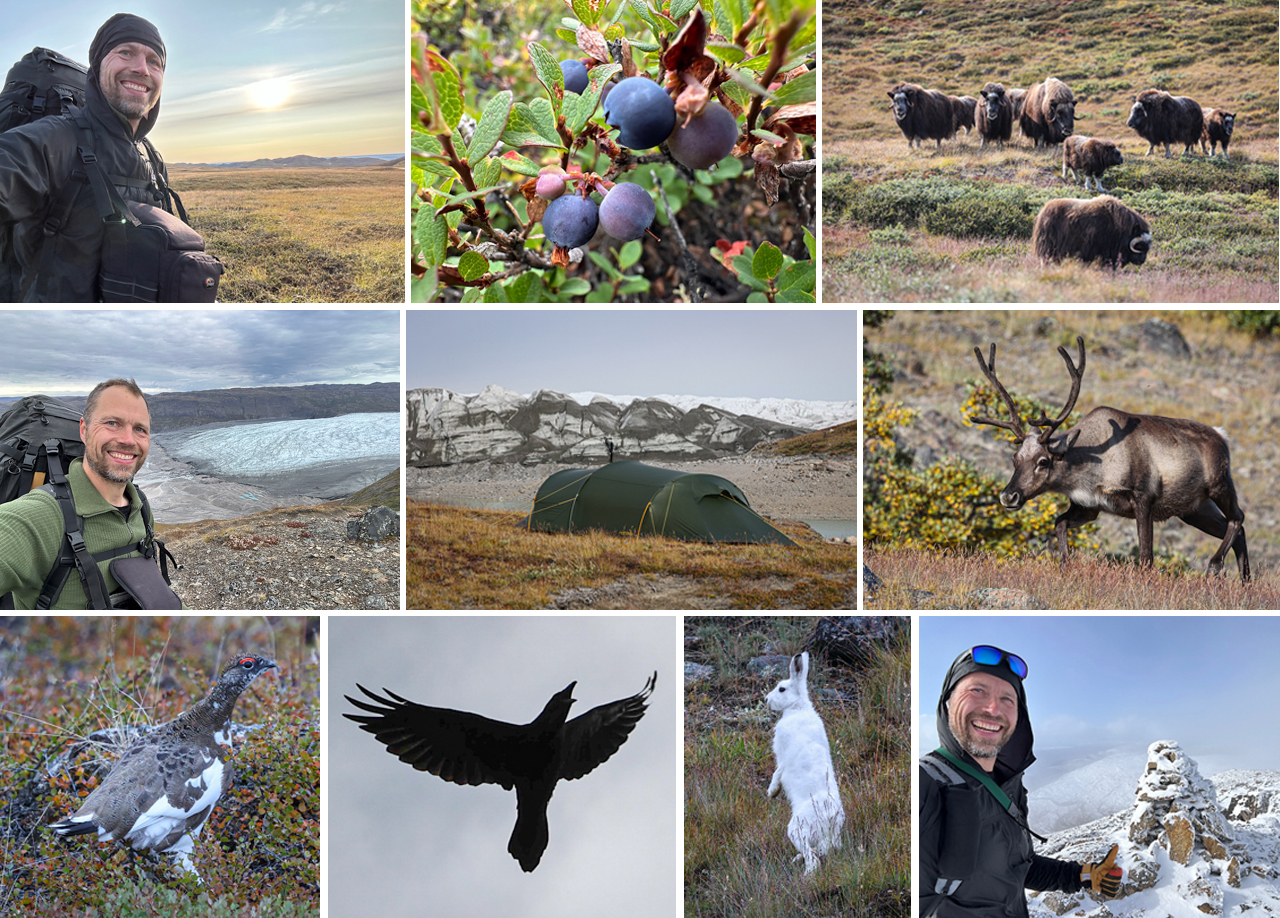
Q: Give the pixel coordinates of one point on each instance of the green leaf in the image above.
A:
(642, 10)
(803, 88)
(431, 233)
(629, 254)
(492, 123)
(811, 244)
(585, 11)
(742, 265)
(726, 51)
(681, 9)
(569, 35)
(525, 288)
(422, 289)
(794, 295)
(494, 294)
(634, 285)
(769, 136)
(549, 74)
(519, 164)
(459, 198)
(472, 265)
(602, 294)
(801, 275)
(767, 261)
(448, 88)
(748, 82)
(528, 126)
(578, 109)
(575, 286)
(757, 297)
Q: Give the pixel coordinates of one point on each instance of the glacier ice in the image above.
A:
(277, 448)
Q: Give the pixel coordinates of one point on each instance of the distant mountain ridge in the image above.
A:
(305, 162)
(175, 410)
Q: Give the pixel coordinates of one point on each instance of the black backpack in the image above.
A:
(39, 436)
(41, 83)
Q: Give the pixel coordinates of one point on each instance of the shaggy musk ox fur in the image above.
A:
(1048, 112)
(1089, 157)
(995, 115)
(1098, 229)
(1160, 118)
(1218, 126)
(1019, 98)
(962, 113)
(922, 114)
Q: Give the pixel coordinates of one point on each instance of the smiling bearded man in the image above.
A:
(58, 231)
(117, 530)
(976, 855)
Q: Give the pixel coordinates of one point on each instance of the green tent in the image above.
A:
(634, 497)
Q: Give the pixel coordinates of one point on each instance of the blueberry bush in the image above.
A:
(613, 151)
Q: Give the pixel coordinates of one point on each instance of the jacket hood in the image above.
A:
(120, 28)
(1017, 754)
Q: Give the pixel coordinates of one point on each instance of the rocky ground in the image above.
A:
(294, 558)
(800, 487)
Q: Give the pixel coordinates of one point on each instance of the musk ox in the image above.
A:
(1048, 112)
(1160, 118)
(1018, 97)
(962, 113)
(1218, 126)
(1098, 229)
(922, 114)
(1089, 157)
(995, 115)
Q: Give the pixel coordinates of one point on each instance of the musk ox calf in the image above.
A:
(1218, 126)
(1160, 118)
(1089, 157)
(1019, 98)
(922, 114)
(1048, 112)
(1098, 229)
(962, 113)
(995, 115)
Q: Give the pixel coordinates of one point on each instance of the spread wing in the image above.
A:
(589, 739)
(455, 745)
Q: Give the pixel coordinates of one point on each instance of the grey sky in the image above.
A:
(69, 351)
(801, 354)
(1111, 682)
(406, 844)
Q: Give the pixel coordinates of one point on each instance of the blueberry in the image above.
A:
(626, 212)
(550, 185)
(575, 75)
(571, 221)
(706, 139)
(642, 111)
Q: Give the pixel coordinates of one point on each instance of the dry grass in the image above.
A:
(461, 558)
(301, 235)
(840, 440)
(938, 580)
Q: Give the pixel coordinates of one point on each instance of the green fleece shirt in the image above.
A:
(32, 532)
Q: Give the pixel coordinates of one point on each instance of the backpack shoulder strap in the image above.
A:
(74, 552)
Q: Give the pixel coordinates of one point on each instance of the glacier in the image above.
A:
(811, 415)
(321, 455)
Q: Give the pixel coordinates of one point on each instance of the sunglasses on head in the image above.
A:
(986, 655)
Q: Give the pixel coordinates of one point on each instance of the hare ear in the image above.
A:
(799, 664)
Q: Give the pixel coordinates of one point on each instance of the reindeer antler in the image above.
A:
(989, 371)
(1077, 374)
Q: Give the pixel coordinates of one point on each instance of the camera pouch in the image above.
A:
(141, 579)
(156, 258)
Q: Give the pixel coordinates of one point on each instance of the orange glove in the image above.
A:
(1103, 877)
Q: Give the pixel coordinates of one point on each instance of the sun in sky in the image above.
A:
(270, 93)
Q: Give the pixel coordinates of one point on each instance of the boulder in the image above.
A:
(376, 524)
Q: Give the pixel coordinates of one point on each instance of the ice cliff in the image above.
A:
(1189, 846)
(445, 427)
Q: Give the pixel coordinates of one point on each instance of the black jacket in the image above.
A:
(37, 162)
(976, 858)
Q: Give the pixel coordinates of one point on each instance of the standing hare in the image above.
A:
(804, 769)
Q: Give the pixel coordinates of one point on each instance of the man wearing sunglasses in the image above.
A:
(976, 853)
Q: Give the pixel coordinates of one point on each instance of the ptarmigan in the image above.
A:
(166, 784)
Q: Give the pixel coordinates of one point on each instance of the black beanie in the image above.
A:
(118, 29)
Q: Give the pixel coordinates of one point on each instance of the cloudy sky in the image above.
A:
(1113, 682)
(404, 844)
(246, 80)
(729, 353)
(68, 352)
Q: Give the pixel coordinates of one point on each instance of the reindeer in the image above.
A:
(1137, 466)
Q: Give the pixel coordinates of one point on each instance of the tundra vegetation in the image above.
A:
(738, 861)
(937, 526)
(675, 165)
(307, 235)
(68, 676)
(954, 224)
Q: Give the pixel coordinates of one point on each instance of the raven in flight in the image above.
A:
(470, 749)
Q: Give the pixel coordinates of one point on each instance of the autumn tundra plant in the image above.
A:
(599, 160)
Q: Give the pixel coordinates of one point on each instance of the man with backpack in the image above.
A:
(86, 539)
(74, 186)
(976, 855)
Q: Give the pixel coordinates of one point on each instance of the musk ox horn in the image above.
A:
(1140, 243)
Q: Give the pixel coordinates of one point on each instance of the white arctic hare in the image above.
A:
(804, 768)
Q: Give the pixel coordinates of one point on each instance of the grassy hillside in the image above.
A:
(840, 440)
(301, 235)
(955, 224)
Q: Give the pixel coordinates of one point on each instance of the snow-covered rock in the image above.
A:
(547, 426)
(1188, 846)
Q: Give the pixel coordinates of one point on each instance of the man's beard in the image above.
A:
(980, 747)
(127, 105)
(98, 461)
